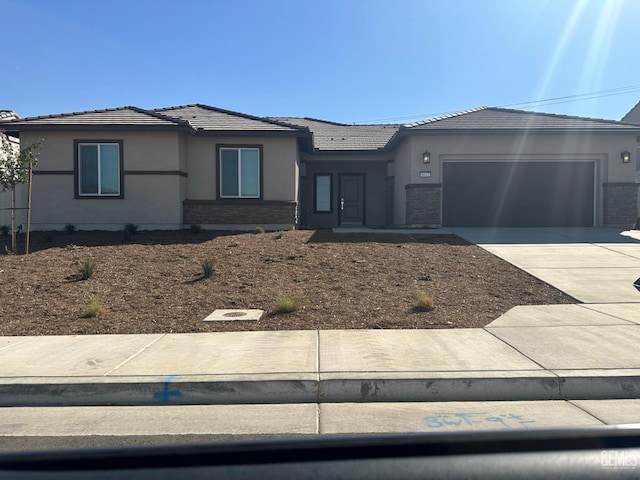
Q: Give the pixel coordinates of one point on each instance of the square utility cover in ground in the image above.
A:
(250, 315)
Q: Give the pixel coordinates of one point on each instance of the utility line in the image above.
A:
(533, 103)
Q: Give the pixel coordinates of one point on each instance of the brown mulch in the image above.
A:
(153, 282)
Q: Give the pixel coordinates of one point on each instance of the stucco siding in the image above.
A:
(279, 166)
(151, 179)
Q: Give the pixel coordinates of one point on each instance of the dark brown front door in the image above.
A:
(351, 199)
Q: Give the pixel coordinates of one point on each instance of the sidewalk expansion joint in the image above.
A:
(124, 362)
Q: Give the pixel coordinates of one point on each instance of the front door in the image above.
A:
(351, 199)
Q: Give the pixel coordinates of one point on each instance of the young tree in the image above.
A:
(16, 166)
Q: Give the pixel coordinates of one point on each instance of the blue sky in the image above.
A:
(342, 60)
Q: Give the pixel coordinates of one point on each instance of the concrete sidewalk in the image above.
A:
(530, 353)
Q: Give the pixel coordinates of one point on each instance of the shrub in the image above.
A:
(71, 246)
(94, 309)
(195, 228)
(4, 230)
(279, 234)
(70, 228)
(287, 303)
(424, 302)
(423, 277)
(126, 235)
(132, 228)
(258, 230)
(87, 268)
(207, 267)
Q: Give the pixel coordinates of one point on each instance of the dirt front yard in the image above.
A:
(154, 282)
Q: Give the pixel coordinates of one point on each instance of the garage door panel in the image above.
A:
(518, 194)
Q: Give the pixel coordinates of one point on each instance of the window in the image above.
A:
(239, 172)
(98, 169)
(322, 203)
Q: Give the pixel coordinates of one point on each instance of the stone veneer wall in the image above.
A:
(620, 204)
(211, 212)
(389, 186)
(423, 202)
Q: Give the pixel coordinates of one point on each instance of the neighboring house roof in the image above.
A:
(633, 115)
(204, 117)
(7, 115)
(493, 118)
(331, 136)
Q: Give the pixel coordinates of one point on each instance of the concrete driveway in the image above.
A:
(593, 265)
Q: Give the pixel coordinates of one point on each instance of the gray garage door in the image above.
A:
(518, 194)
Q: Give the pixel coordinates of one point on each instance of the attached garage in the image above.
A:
(518, 194)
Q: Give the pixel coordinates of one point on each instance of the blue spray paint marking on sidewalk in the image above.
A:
(164, 395)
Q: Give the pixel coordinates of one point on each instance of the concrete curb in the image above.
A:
(309, 388)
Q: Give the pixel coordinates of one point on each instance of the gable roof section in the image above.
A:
(129, 117)
(501, 119)
(211, 119)
(633, 115)
(339, 137)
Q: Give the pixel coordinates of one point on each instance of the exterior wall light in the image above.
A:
(626, 157)
(426, 157)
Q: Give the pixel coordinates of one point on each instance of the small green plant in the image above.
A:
(87, 269)
(132, 228)
(279, 234)
(270, 260)
(4, 230)
(358, 260)
(8, 251)
(423, 302)
(47, 237)
(207, 267)
(70, 228)
(70, 247)
(94, 309)
(423, 277)
(258, 230)
(195, 228)
(300, 279)
(233, 244)
(288, 303)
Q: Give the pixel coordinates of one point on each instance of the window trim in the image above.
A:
(219, 148)
(315, 193)
(76, 170)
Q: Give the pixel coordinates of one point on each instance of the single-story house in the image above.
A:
(173, 167)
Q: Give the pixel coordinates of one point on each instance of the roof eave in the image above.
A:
(13, 127)
(516, 131)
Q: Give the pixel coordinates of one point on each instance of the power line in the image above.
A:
(532, 103)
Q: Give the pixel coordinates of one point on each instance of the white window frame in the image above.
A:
(239, 150)
(79, 166)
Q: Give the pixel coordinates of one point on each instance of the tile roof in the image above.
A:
(7, 115)
(216, 119)
(123, 116)
(493, 118)
(331, 136)
(633, 115)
